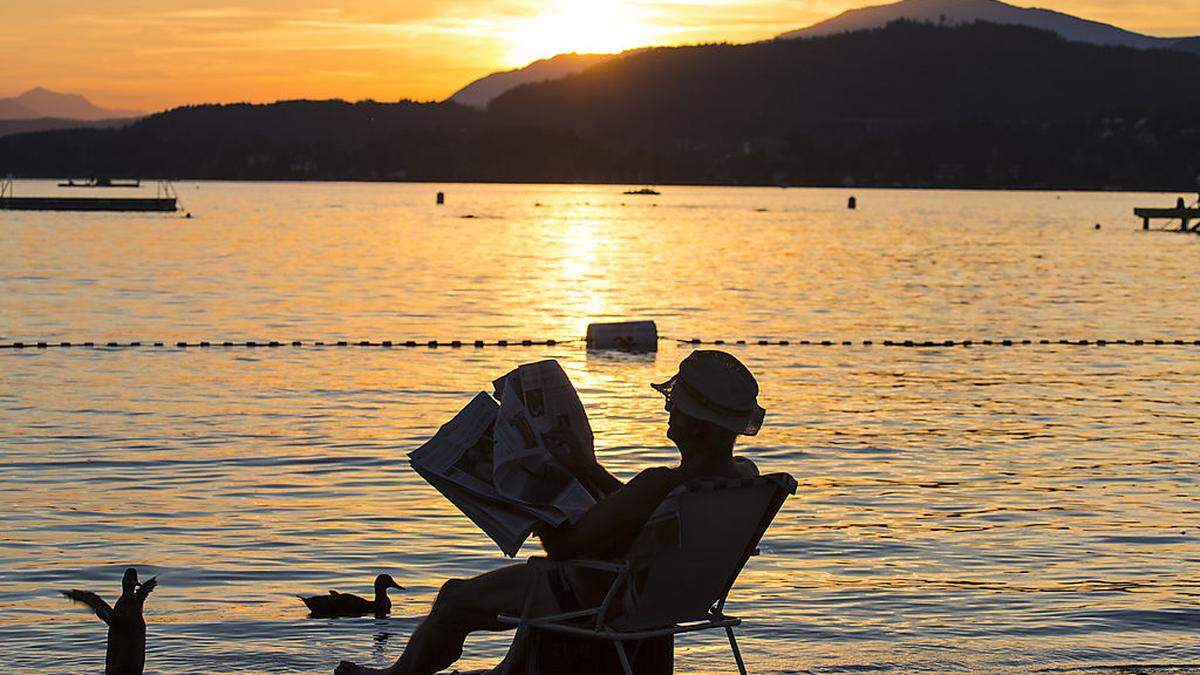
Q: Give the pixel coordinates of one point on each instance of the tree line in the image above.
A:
(979, 105)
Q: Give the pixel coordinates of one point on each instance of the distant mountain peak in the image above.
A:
(47, 97)
(954, 12)
(40, 102)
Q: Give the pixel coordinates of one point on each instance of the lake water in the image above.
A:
(979, 508)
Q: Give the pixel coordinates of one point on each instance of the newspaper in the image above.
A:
(494, 461)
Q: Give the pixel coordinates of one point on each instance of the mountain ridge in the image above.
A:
(40, 102)
(954, 12)
(479, 93)
(911, 104)
(904, 71)
(9, 127)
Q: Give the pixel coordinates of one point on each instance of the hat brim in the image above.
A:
(744, 424)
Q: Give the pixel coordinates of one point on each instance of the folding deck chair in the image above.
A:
(679, 570)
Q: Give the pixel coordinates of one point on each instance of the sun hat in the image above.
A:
(714, 386)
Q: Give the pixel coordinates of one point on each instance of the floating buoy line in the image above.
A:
(553, 342)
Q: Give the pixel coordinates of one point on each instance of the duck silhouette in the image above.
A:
(126, 654)
(347, 604)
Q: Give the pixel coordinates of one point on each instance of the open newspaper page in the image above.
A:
(492, 460)
(457, 461)
(536, 399)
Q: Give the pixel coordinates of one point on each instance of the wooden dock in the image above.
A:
(1184, 215)
(88, 204)
(164, 199)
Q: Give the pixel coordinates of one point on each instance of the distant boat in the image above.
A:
(102, 183)
(643, 191)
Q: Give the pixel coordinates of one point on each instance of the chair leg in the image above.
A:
(737, 655)
(622, 656)
(637, 647)
(519, 647)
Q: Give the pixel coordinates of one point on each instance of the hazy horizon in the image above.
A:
(187, 52)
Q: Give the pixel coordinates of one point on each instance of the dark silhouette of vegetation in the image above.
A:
(979, 105)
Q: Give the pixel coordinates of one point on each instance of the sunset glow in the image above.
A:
(582, 26)
(128, 54)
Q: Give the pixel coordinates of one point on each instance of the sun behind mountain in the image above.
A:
(581, 26)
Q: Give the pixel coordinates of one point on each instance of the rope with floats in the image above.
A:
(1101, 342)
(553, 342)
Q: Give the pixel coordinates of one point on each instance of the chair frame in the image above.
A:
(601, 629)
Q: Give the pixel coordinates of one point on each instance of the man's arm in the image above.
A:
(580, 459)
(598, 480)
(614, 521)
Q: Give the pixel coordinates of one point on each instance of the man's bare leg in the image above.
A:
(462, 607)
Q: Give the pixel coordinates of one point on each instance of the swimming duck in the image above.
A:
(126, 654)
(346, 604)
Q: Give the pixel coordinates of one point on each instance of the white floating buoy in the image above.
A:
(633, 335)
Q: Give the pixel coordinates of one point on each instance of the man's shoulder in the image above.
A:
(657, 474)
(672, 477)
(659, 479)
(746, 468)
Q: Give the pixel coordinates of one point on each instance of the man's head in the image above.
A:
(692, 432)
(712, 399)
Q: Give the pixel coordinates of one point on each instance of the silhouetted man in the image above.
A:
(711, 400)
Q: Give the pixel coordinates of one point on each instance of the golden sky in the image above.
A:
(154, 55)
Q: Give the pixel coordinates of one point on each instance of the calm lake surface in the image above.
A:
(960, 509)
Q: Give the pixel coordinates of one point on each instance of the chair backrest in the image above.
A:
(691, 551)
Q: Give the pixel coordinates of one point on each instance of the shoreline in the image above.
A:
(519, 182)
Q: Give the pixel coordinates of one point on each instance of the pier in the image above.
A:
(87, 204)
(164, 200)
(1182, 213)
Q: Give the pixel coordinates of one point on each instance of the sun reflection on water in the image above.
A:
(960, 509)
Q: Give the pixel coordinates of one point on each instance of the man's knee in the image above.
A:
(473, 604)
(453, 600)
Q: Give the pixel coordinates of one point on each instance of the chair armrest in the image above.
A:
(512, 620)
(541, 562)
(604, 565)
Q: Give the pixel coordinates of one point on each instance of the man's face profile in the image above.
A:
(679, 424)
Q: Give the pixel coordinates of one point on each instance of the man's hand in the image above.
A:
(579, 457)
(574, 453)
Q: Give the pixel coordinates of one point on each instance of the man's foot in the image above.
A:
(349, 668)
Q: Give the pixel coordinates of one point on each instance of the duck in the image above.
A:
(348, 604)
(126, 652)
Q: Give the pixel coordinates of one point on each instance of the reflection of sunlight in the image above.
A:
(580, 244)
(626, 415)
(579, 248)
(596, 26)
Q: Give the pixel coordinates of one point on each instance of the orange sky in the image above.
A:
(136, 54)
